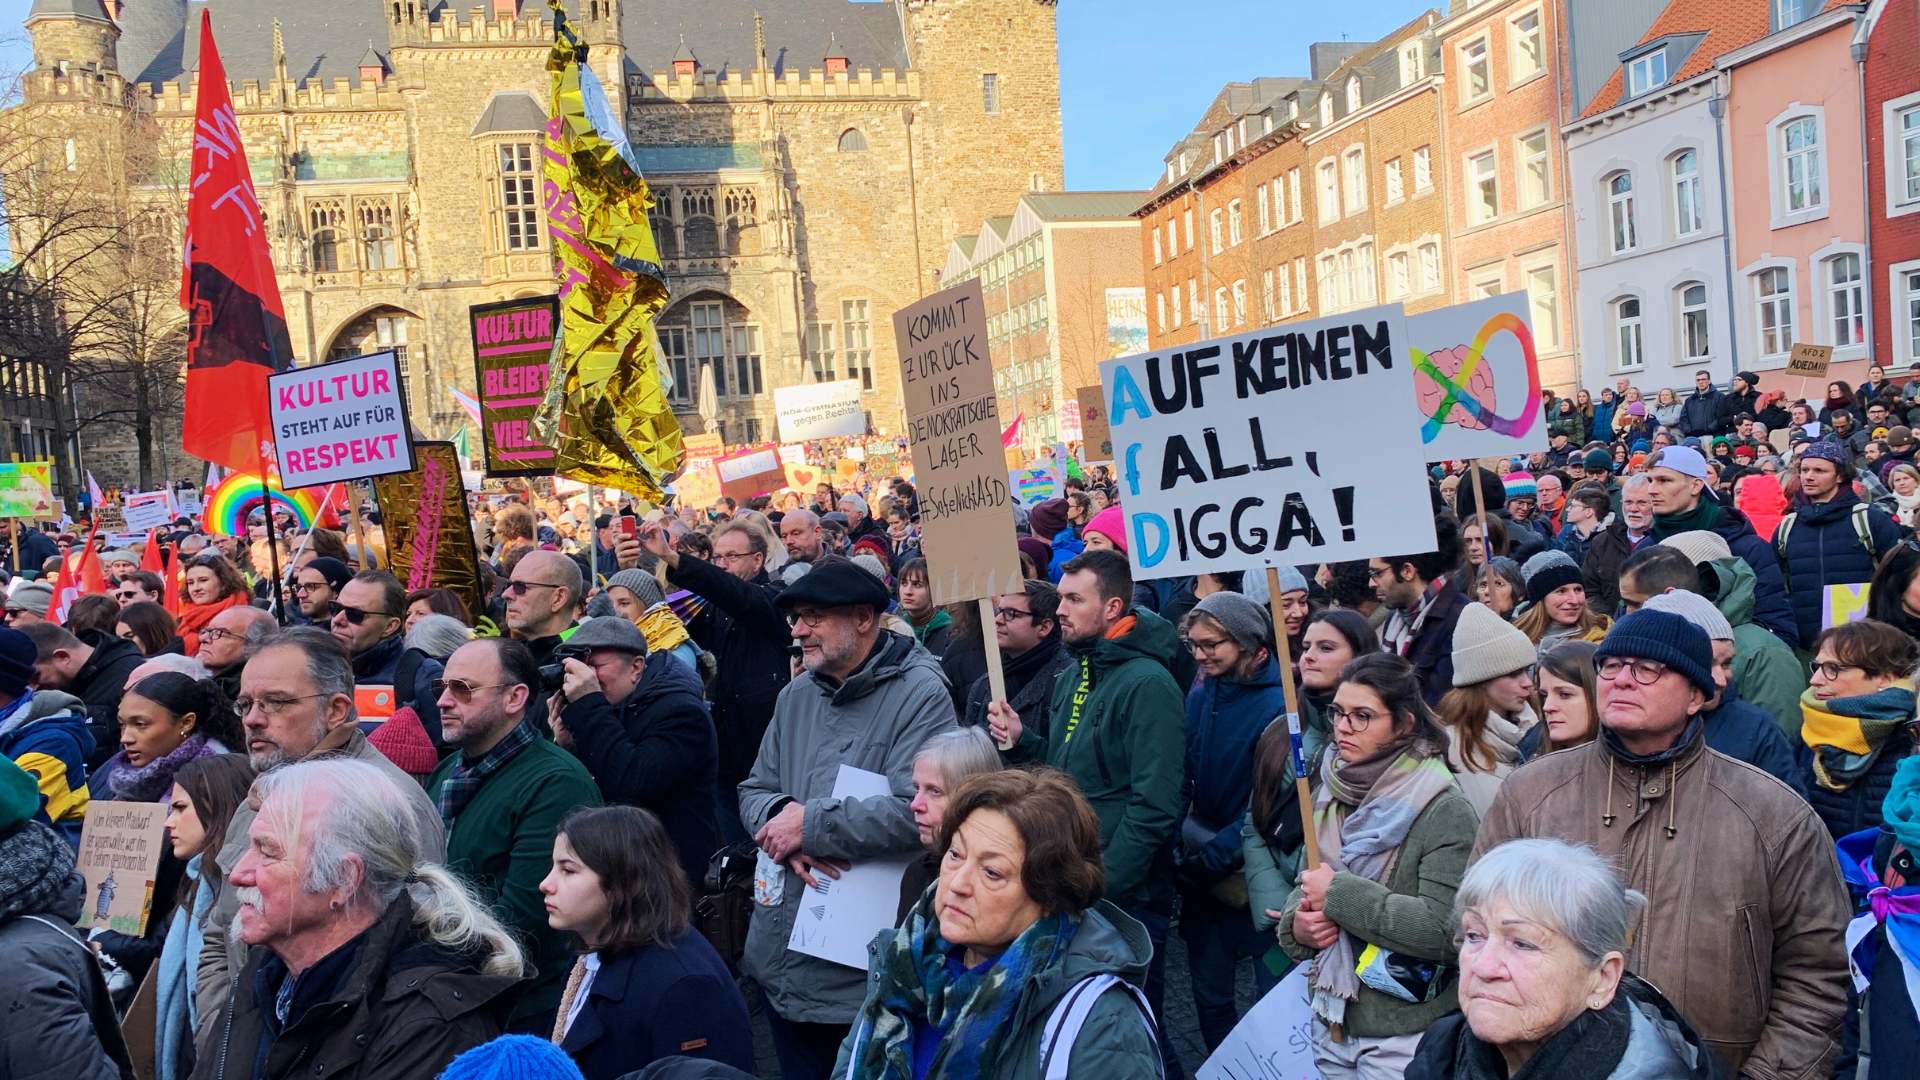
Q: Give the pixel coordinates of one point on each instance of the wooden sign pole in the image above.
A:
(1284, 653)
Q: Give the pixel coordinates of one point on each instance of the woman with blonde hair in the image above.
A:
(1558, 600)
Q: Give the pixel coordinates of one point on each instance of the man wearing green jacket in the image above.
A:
(502, 797)
(1114, 724)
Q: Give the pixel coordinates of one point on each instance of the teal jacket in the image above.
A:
(1766, 670)
(1127, 752)
(502, 845)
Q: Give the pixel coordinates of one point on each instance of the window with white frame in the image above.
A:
(990, 93)
(1326, 107)
(1429, 254)
(1240, 302)
(1262, 223)
(1234, 234)
(1483, 188)
(1802, 166)
(1160, 310)
(1329, 288)
(1535, 186)
(1399, 276)
(1285, 284)
(1173, 303)
(1368, 272)
(1173, 238)
(1412, 63)
(1903, 153)
(1543, 300)
(1353, 93)
(1475, 67)
(1482, 288)
(1193, 300)
(1629, 341)
(1788, 12)
(1526, 50)
(1349, 288)
(1300, 283)
(1156, 247)
(1329, 204)
(1354, 166)
(1688, 216)
(1846, 299)
(1773, 297)
(1293, 194)
(1648, 72)
(1422, 170)
(519, 205)
(1396, 184)
(1696, 342)
(1186, 226)
(1620, 226)
(1906, 310)
(1217, 229)
(1266, 294)
(1220, 310)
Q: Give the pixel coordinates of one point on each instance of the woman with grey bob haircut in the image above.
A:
(1544, 927)
(945, 761)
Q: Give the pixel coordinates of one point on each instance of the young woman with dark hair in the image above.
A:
(149, 627)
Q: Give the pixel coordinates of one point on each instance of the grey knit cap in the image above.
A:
(1696, 609)
(1485, 647)
(644, 586)
(1249, 624)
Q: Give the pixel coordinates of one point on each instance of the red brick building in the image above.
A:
(1890, 38)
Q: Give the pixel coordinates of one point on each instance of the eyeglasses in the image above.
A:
(1010, 614)
(729, 556)
(271, 704)
(1830, 668)
(1645, 672)
(462, 689)
(217, 633)
(519, 588)
(1202, 646)
(813, 617)
(308, 586)
(1357, 719)
(355, 615)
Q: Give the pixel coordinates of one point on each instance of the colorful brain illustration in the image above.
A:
(1479, 386)
(1455, 386)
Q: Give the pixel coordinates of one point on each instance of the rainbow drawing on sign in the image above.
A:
(1465, 395)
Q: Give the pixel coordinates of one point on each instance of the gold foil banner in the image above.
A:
(429, 536)
(606, 412)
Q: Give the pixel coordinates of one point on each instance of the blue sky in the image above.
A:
(1135, 75)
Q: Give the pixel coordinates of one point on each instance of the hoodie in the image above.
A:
(45, 732)
(1225, 718)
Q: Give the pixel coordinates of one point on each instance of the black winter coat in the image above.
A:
(59, 1021)
(1431, 653)
(1859, 805)
(748, 638)
(99, 683)
(1700, 413)
(1823, 548)
(1600, 572)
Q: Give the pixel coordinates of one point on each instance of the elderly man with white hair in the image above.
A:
(860, 520)
(367, 957)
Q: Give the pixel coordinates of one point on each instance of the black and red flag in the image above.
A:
(237, 328)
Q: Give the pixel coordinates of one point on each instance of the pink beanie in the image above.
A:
(1112, 524)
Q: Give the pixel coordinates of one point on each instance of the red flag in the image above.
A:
(170, 595)
(1010, 438)
(150, 557)
(65, 591)
(237, 327)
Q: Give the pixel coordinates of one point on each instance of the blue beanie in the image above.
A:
(1661, 635)
(513, 1057)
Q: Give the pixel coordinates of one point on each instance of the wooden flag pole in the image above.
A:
(15, 534)
(989, 637)
(1284, 652)
(359, 530)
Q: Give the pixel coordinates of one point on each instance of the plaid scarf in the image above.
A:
(1846, 734)
(1403, 627)
(460, 786)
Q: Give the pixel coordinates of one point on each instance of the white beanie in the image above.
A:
(1485, 647)
(1696, 609)
(1700, 546)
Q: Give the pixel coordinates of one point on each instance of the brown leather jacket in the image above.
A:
(1746, 913)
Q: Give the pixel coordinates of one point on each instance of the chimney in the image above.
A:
(506, 9)
(836, 60)
(684, 64)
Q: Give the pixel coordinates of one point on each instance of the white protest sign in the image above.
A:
(839, 916)
(346, 420)
(819, 410)
(1292, 444)
(145, 510)
(1476, 377)
(1274, 1041)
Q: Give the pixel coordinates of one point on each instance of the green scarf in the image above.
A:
(1846, 734)
(921, 631)
(1702, 518)
(921, 980)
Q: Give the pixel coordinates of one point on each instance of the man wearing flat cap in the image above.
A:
(868, 698)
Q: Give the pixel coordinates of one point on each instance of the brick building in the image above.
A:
(809, 166)
(1886, 41)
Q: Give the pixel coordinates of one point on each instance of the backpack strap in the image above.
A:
(1862, 528)
(1070, 1015)
(1780, 535)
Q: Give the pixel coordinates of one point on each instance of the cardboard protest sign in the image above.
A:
(120, 848)
(845, 471)
(697, 485)
(429, 537)
(706, 446)
(819, 410)
(750, 471)
(953, 417)
(1476, 377)
(512, 342)
(1096, 436)
(1241, 452)
(346, 420)
(1809, 361)
(1274, 1041)
(26, 489)
(145, 510)
(1842, 604)
(802, 478)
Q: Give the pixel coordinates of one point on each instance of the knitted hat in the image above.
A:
(34, 597)
(1696, 609)
(1684, 460)
(17, 653)
(1249, 624)
(871, 563)
(1485, 647)
(644, 586)
(1112, 524)
(1521, 485)
(1597, 461)
(1254, 585)
(1700, 546)
(1899, 435)
(1038, 550)
(1828, 450)
(1666, 637)
(333, 570)
(1636, 408)
(1547, 571)
(513, 1057)
(1901, 809)
(1047, 517)
(19, 795)
(1748, 377)
(1743, 453)
(36, 864)
(403, 740)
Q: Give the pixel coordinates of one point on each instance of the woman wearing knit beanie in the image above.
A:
(1108, 530)
(638, 598)
(1490, 708)
(1559, 610)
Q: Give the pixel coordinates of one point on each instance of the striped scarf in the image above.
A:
(1845, 734)
(460, 786)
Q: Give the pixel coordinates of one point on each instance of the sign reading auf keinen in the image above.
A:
(512, 343)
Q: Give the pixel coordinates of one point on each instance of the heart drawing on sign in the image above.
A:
(802, 477)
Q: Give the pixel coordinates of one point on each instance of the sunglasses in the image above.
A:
(461, 689)
(355, 615)
(519, 588)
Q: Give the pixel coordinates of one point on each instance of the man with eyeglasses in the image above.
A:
(639, 725)
(1027, 626)
(1746, 915)
(227, 640)
(317, 585)
(868, 698)
(748, 637)
(295, 703)
(543, 595)
(502, 797)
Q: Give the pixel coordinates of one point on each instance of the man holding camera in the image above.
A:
(642, 731)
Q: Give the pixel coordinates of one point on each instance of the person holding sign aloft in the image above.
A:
(1395, 832)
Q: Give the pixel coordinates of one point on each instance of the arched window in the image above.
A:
(852, 140)
(1695, 341)
(1620, 212)
(1629, 342)
(1687, 209)
(663, 235)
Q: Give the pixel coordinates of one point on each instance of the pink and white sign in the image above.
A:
(346, 420)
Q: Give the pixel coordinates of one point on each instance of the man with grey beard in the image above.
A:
(295, 704)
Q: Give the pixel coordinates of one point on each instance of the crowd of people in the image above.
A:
(1597, 786)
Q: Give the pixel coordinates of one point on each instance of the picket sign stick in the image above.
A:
(15, 534)
(1285, 653)
(996, 676)
(1480, 511)
(359, 530)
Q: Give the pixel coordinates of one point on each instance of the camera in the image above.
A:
(554, 674)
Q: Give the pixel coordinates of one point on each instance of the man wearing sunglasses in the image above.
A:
(1746, 912)
(141, 586)
(544, 595)
(368, 621)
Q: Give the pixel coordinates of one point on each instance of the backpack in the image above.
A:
(1070, 1015)
(1861, 529)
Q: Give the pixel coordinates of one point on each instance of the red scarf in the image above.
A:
(195, 617)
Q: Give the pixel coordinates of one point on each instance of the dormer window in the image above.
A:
(1353, 94)
(1326, 108)
(1648, 72)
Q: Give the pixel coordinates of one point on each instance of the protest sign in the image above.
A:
(819, 410)
(1274, 1041)
(145, 510)
(120, 848)
(802, 478)
(512, 343)
(1096, 437)
(1809, 361)
(429, 537)
(188, 503)
(839, 916)
(953, 417)
(1241, 452)
(706, 446)
(793, 453)
(697, 485)
(750, 471)
(1476, 377)
(346, 420)
(845, 471)
(1842, 604)
(26, 489)
(1037, 484)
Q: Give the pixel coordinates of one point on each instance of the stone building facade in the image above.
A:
(809, 166)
